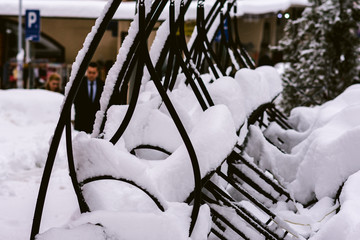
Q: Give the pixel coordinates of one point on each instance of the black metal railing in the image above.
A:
(192, 60)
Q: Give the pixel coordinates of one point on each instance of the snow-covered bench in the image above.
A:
(168, 181)
(228, 91)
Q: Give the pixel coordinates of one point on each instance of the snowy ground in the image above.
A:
(27, 121)
(321, 154)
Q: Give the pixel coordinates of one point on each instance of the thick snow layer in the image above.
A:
(242, 94)
(323, 145)
(215, 127)
(65, 8)
(171, 177)
(92, 8)
(265, 6)
(172, 224)
(27, 123)
(258, 86)
(322, 151)
(226, 91)
(346, 224)
(26, 117)
(146, 128)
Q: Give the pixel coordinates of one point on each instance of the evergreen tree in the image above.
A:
(322, 50)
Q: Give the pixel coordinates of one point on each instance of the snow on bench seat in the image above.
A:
(242, 94)
(170, 179)
(103, 225)
(148, 126)
(259, 86)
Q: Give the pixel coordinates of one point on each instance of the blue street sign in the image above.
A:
(32, 25)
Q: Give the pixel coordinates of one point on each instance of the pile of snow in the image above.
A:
(130, 225)
(26, 117)
(27, 123)
(236, 93)
(346, 224)
(320, 155)
(169, 179)
(37, 129)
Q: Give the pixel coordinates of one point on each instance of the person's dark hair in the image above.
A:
(93, 65)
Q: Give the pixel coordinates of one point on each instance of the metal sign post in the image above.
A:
(32, 33)
(20, 55)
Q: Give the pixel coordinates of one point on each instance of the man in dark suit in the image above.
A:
(87, 101)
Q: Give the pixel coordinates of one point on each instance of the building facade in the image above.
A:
(63, 34)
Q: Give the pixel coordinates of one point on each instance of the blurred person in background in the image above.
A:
(87, 100)
(53, 82)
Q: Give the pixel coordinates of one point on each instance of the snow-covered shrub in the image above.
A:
(322, 49)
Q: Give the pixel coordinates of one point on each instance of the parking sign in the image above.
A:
(32, 22)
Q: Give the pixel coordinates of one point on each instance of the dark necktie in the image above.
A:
(91, 91)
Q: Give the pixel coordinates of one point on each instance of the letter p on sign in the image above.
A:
(32, 18)
(32, 23)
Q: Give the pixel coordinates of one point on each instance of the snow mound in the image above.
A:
(98, 225)
(28, 108)
(145, 128)
(25, 119)
(259, 86)
(171, 177)
(322, 153)
(346, 224)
